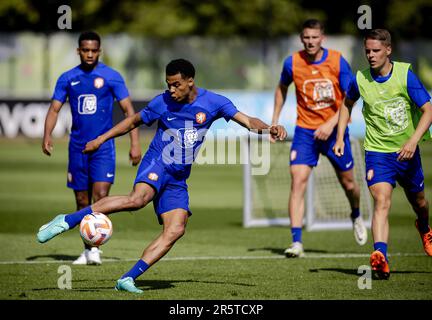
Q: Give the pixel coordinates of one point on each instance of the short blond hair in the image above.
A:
(382, 35)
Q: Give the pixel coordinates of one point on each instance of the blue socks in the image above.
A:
(382, 247)
(355, 213)
(138, 269)
(75, 218)
(296, 234)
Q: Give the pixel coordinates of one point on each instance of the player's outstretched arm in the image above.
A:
(135, 148)
(120, 129)
(277, 131)
(344, 116)
(50, 123)
(407, 151)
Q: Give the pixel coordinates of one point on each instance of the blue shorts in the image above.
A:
(306, 150)
(85, 169)
(171, 192)
(384, 167)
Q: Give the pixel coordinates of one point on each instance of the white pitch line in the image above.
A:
(307, 256)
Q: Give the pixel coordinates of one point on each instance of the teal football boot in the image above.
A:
(127, 284)
(53, 228)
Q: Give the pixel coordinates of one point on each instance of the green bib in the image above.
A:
(390, 115)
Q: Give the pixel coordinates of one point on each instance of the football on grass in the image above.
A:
(96, 229)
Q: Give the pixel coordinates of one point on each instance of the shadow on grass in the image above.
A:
(355, 273)
(146, 285)
(61, 257)
(280, 251)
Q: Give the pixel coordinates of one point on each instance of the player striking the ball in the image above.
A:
(398, 114)
(184, 114)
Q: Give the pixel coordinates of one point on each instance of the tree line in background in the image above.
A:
(247, 18)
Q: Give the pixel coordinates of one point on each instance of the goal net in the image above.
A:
(326, 205)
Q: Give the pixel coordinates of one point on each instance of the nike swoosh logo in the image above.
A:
(348, 164)
(169, 119)
(110, 175)
(382, 92)
(74, 83)
(315, 71)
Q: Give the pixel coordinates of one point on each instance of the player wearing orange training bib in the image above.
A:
(321, 77)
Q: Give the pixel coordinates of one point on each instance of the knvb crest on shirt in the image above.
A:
(200, 117)
(98, 82)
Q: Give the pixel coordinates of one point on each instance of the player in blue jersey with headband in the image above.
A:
(91, 88)
(183, 113)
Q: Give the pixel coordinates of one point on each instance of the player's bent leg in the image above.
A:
(352, 192)
(381, 193)
(139, 197)
(299, 177)
(174, 225)
(420, 206)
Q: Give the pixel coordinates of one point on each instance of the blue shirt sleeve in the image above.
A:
(118, 86)
(345, 74)
(225, 109)
(150, 114)
(353, 92)
(416, 91)
(287, 74)
(60, 91)
(228, 111)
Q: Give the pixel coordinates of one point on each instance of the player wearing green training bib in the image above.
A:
(398, 113)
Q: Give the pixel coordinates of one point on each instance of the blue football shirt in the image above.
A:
(91, 96)
(182, 127)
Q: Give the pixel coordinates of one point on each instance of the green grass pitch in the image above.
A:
(216, 259)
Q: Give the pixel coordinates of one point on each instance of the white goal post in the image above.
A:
(265, 201)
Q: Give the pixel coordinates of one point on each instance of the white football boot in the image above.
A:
(360, 231)
(295, 250)
(93, 256)
(89, 256)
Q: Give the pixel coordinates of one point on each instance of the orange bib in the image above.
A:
(318, 92)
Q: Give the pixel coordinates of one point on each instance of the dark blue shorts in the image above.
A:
(171, 192)
(384, 167)
(306, 150)
(85, 169)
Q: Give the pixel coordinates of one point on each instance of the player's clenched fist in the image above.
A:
(339, 148)
(278, 132)
(92, 145)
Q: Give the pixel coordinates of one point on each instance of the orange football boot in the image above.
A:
(379, 265)
(426, 239)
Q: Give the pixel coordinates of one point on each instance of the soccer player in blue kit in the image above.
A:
(184, 114)
(91, 88)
